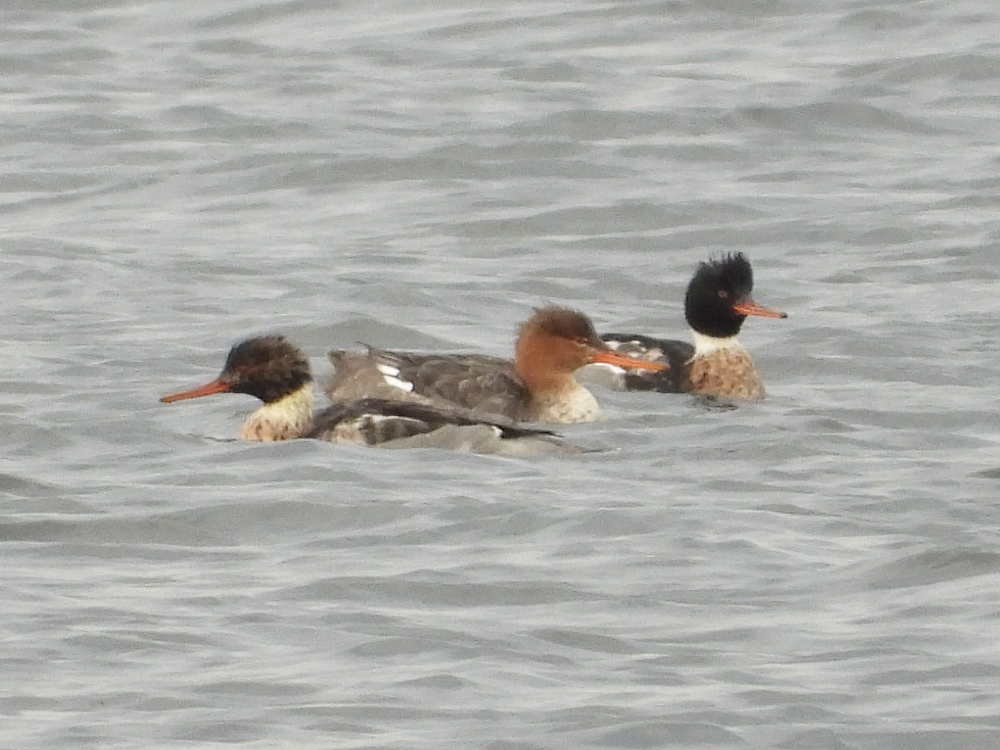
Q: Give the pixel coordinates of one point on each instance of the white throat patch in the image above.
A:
(704, 345)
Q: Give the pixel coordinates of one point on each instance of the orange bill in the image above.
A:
(620, 360)
(749, 307)
(216, 386)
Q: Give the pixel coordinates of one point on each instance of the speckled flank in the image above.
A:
(726, 373)
(374, 429)
(284, 419)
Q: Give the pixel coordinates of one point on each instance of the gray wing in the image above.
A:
(484, 384)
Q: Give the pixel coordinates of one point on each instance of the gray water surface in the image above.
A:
(819, 571)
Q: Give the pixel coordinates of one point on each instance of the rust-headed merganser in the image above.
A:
(718, 300)
(276, 372)
(538, 386)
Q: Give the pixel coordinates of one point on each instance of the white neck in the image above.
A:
(569, 406)
(704, 345)
(285, 419)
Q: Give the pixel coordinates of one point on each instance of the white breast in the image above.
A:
(708, 344)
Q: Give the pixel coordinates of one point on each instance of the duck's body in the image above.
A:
(723, 369)
(374, 421)
(537, 386)
(718, 300)
(277, 373)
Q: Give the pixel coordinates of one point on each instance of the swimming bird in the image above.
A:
(717, 302)
(537, 386)
(275, 371)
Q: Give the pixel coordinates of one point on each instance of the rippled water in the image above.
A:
(819, 571)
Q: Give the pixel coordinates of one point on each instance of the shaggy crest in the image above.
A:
(565, 324)
(268, 367)
(716, 287)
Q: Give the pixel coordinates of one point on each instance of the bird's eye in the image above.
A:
(723, 294)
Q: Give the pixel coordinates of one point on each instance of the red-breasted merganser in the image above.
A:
(276, 372)
(718, 301)
(538, 386)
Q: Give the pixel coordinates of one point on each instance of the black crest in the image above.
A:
(717, 286)
(564, 323)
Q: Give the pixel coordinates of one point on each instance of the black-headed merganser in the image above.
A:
(718, 300)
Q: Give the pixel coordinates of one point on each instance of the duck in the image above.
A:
(716, 365)
(536, 386)
(277, 372)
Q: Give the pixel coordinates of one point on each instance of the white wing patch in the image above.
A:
(377, 418)
(635, 348)
(390, 375)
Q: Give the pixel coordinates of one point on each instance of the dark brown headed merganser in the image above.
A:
(277, 373)
(538, 386)
(718, 301)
